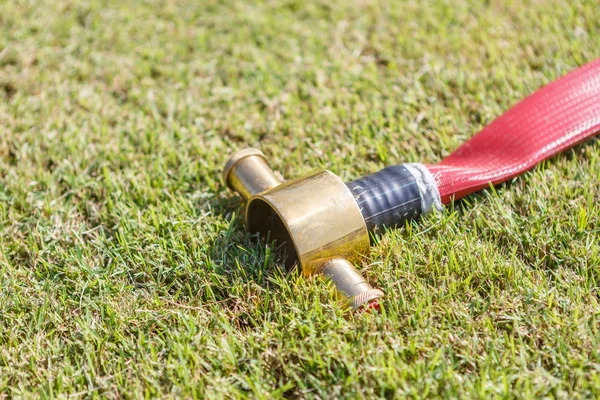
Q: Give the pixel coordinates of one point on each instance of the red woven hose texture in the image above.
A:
(553, 119)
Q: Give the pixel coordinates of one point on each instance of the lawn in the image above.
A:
(125, 270)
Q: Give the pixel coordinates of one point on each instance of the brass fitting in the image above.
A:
(314, 219)
(247, 173)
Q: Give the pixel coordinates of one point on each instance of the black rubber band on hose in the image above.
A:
(387, 198)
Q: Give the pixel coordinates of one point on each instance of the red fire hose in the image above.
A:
(551, 120)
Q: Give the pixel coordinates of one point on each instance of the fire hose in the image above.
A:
(323, 224)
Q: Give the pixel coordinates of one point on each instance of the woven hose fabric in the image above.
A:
(553, 119)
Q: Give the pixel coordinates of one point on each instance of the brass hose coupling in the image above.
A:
(314, 219)
(322, 223)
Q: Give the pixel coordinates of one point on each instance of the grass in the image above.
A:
(124, 267)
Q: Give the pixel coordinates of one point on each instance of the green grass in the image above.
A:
(125, 270)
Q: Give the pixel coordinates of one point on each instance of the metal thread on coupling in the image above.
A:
(349, 282)
(247, 173)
